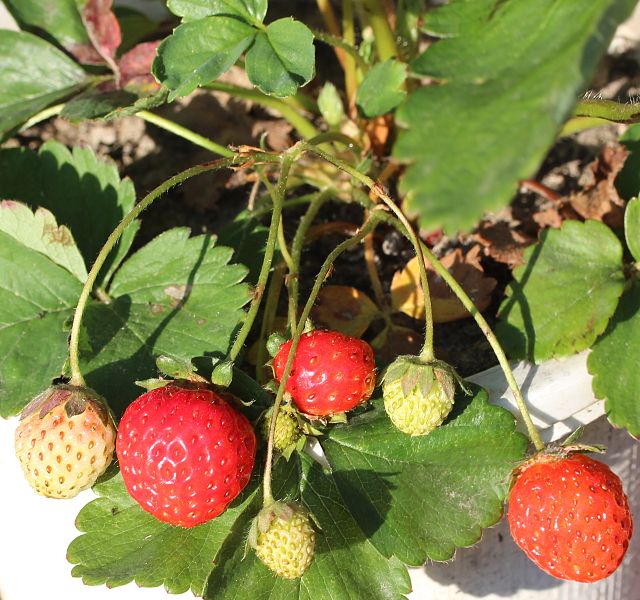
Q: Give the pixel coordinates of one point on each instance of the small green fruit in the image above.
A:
(418, 396)
(284, 539)
(287, 433)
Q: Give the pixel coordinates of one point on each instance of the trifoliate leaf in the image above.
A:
(382, 88)
(565, 293)
(614, 364)
(509, 74)
(34, 74)
(60, 20)
(282, 58)
(40, 231)
(36, 298)
(190, 10)
(122, 543)
(84, 193)
(198, 52)
(177, 296)
(339, 542)
(632, 227)
(421, 497)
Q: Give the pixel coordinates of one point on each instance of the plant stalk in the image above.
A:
(278, 198)
(427, 352)
(384, 37)
(367, 227)
(183, 132)
(74, 362)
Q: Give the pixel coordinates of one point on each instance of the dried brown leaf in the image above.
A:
(344, 309)
(407, 297)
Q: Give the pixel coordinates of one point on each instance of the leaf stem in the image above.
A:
(367, 227)
(183, 132)
(457, 289)
(427, 352)
(293, 280)
(299, 122)
(74, 362)
(43, 115)
(350, 70)
(384, 37)
(287, 159)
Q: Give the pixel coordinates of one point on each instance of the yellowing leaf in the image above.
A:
(344, 309)
(406, 292)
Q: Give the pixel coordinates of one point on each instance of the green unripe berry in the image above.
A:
(284, 539)
(287, 431)
(418, 397)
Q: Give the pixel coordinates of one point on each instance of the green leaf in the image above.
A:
(613, 363)
(382, 88)
(41, 232)
(198, 52)
(95, 104)
(33, 75)
(330, 104)
(60, 19)
(122, 543)
(564, 295)
(250, 10)
(632, 227)
(509, 73)
(282, 58)
(400, 488)
(340, 542)
(135, 27)
(84, 193)
(36, 298)
(628, 180)
(177, 296)
(248, 238)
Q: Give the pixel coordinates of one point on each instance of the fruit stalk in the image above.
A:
(278, 200)
(427, 352)
(366, 228)
(74, 362)
(297, 245)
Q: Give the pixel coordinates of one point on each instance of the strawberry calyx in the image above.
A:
(418, 394)
(557, 452)
(74, 398)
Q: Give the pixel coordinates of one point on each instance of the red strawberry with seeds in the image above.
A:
(570, 516)
(331, 372)
(184, 453)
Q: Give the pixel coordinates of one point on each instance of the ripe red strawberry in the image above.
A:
(184, 453)
(331, 372)
(65, 440)
(570, 516)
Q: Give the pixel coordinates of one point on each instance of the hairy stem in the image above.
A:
(427, 352)
(76, 374)
(300, 123)
(368, 226)
(293, 281)
(183, 132)
(278, 198)
(385, 39)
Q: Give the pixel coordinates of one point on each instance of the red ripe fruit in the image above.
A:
(331, 372)
(184, 453)
(571, 517)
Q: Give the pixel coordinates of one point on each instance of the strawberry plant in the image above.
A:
(237, 475)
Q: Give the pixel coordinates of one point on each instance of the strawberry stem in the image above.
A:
(368, 226)
(74, 362)
(287, 159)
(427, 352)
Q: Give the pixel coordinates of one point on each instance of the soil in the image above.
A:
(208, 203)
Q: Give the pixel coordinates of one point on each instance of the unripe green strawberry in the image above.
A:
(284, 539)
(65, 440)
(287, 432)
(418, 396)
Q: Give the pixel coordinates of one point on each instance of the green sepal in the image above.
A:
(222, 374)
(274, 342)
